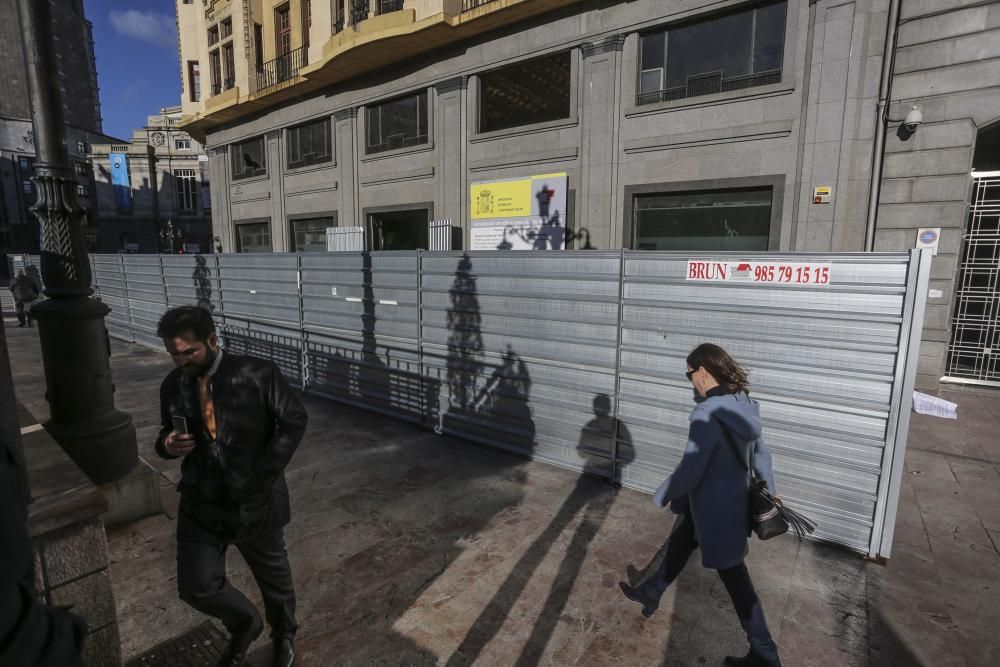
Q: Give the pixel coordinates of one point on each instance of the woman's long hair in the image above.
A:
(727, 372)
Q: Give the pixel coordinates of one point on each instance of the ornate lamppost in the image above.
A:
(168, 235)
(75, 348)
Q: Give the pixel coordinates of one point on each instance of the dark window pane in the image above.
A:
(714, 49)
(652, 51)
(769, 43)
(397, 123)
(253, 237)
(309, 144)
(729, 52)
(309, 235)
(526, 93)
(712, 220)
(249, 159)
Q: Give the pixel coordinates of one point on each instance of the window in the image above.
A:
(282, 30)
(309, 144)
(226, 28)
(187, 189)
(80, 168)
(253, 237)
(229, 65)
(307, 18)
(258, 46)
(309, 235)
(709, 220)
(26, 169)
(182, 144)
(397, 123)
(81, 147)
(82, 190)
(729, 52)
(213, 35)
(526, 93)
(248, 158)
(216, 62)
(188, 2)
(194, 81)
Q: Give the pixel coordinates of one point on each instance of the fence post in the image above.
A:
(128, 302)
(618, 366)
(420, 337)
(304, 355)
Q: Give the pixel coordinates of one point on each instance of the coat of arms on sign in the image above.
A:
(485, 203)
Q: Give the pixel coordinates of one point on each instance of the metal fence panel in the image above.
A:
(523, 347)
(578, 359)
(146, 296)
(109, 282)
(822, 361)
(345, 239)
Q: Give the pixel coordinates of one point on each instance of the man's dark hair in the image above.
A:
(186, 319)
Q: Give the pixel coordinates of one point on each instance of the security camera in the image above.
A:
(913, 120)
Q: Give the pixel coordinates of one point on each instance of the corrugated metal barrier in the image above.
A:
(578, 359)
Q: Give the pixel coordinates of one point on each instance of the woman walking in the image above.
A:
(708, 491)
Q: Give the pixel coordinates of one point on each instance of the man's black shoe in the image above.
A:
(648, 607)
(634, 575)
(751, 659)
(284, 653)
(235, 654)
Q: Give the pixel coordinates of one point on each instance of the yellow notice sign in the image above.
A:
(501, 199)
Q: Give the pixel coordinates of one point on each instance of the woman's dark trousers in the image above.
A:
(679, 547)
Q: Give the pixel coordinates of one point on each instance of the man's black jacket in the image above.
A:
(234, 488)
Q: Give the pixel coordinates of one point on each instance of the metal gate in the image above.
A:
(577, 359)
(974, 353)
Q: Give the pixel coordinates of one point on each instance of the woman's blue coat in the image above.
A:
(709, 482)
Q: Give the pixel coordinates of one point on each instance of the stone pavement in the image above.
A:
(411, 548)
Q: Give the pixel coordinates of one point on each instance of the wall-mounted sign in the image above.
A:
(929, 237)
(521, 214)
(778, 273)
(822, 194)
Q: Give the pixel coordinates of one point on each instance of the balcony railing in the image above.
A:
(282, 68)
(216, 88)
(387, 6)
(358, 10)
(468, 5)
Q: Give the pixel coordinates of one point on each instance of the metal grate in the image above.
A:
(974, 353)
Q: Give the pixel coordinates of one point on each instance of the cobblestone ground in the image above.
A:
(411, 548)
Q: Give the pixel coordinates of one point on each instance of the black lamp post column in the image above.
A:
(75, 349)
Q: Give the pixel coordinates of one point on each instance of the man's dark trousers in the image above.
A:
(202, 582)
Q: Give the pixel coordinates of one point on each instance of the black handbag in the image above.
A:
(769, 517)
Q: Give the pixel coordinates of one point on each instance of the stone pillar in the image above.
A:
(276, 174)
(345, 130)
(599, 113)
(451, 142)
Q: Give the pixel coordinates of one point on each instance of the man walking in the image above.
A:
(25, 293)
(237, 423)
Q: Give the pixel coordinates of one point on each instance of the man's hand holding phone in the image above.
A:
(180, 441)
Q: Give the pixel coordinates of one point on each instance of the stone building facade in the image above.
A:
(161, 201)
(383, 116)
(81, 108)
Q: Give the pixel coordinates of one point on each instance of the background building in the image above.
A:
(81, 108)
(688, 125)
(152, 192)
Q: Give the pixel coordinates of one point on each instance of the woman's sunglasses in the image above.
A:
(688, 374)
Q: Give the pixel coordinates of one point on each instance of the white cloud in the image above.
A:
(156, 29)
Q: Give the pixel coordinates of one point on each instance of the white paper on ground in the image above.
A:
(926, 404)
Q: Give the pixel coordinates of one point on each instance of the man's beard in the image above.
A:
(202, 368)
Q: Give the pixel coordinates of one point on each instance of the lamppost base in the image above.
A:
(75, 349)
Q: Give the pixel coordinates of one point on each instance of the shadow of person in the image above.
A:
(202, 277)
(597, 448)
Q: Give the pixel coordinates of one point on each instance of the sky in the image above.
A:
(138, 71)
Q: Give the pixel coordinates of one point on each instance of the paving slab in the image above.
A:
(410, 548)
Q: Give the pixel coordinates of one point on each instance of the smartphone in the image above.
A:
(180, 425)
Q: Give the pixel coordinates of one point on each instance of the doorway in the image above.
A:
(404, 229)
